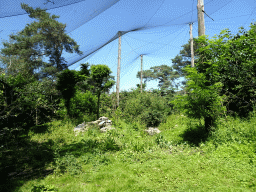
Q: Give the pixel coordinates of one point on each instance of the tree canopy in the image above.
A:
(30, 62)
(223, 78)
(101, 80)
(45, 37)
(164, 74)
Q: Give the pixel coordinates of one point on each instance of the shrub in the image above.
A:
(81, 104)
(149, 108)
(68, 163)
(40, 188)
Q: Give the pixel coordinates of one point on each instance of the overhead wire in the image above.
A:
(227, 18)
(127, 65)
(155, 13)
(222, 7)
(173, 38)
(133, 50)
(144, 40)
(129, 45)
(109, 52)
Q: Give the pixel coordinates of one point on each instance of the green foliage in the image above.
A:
(162, 142)
(163, 73)
(27, 86)
(234, 60)
(202, 101)
(101, 80)
(222, 78)
(110, 144)
(66, 85)
(83, 103)
(183, 59)
(125, 159)
(44, 38)
(80, 105)
(108, 104)
(149, 108)
(40, 188)
(143, 86)
(68, 164)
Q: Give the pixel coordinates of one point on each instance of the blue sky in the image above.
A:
(165, 29)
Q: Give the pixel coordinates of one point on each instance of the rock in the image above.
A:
(152, 131)
(98, 121)
(103, 118)
(108, 122)
(101, 122)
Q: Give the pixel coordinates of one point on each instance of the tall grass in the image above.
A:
(180, 158)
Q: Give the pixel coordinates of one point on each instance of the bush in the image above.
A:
(68, 164)
(40, 188)
(148, 108)
(81, 104)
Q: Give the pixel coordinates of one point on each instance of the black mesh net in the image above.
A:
(148, 27)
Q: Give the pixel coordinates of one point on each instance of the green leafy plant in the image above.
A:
(148, 108)
(101, 80)
(68, 164)
(109, 143)
(161, 141)
(40, 188)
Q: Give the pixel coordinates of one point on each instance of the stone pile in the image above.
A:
(103, 123)
(152, 131)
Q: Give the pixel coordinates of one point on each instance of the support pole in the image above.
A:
(191, 45)
(118, 68)
(141, 73)
(200, 14)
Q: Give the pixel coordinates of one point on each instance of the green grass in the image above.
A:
(181, 158)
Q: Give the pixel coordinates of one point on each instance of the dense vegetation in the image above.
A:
(207, 139)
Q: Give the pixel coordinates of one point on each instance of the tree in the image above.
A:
(84, 84)
(28, 80)
(163, 73)
(184, 59)
(44, 38)
(222, 78)
(143, 86)
(66, 85)
(101, 80)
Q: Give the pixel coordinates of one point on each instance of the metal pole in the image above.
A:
(141, 73)
(200, 14)
(118, 68)
(191, 45)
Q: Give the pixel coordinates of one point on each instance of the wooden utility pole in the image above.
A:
(191, 45)
(141, 73)
(118, 68)
(200, 14)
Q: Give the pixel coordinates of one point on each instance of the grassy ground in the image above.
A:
(181, 158)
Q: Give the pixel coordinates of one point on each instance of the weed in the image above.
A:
(68, 163)
(162, 142)
(40, 188)
(109, 144)
(180, 158)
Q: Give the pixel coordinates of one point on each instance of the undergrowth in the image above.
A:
(181, 158)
